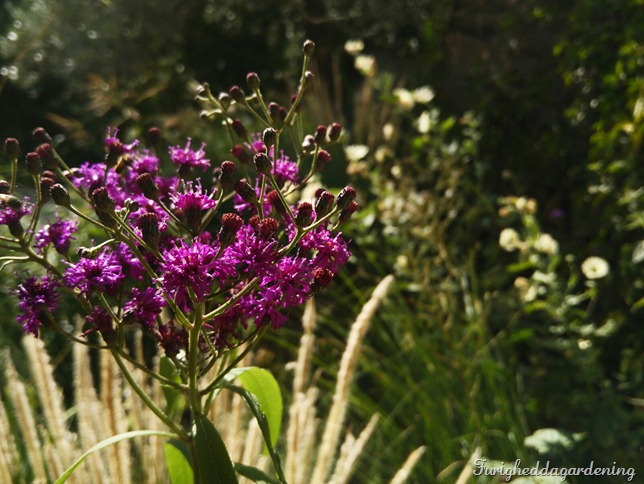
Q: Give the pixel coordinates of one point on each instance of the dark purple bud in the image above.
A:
(41, 136)
(149, 224)
(269, 137)
(322, 277)
(267, 227)
(347, 212)
(323, 159)
(48, 174)
(5, 187)
(237, 94)
(277, 114)
(308, 48)
(60, 195)
(114, 152)
(246, 192)
(34, 164)
(147, 185)
(324, 204)
(345, 197)
(320, 135)
(226, 174)
(240, 129)
(45, 187)
(103, 202)
(132, 205)
(154, 137)
(275, 200)
(252, 80)
(335, 132)
(46, 153)
(230, 225)
(12, 148)
(263, 163)
(15, 228)
(239, 152)
(304, 214)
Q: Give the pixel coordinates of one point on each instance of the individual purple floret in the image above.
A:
(12, 209)
(37, 297)
(102, 273)
(331, 251)
(112, 141)
(194, 267)
(59, 234)
(253, 253)
(186, 158)
(144, 306)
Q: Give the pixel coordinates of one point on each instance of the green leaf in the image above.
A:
(262, 384)
(177, 457)
(255, 474)
(173, 396)
(213, 460)
(107, 442)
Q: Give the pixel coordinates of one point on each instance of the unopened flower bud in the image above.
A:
(237, 94)
(5, 187)
(226, 174)
(224, 100)
(347, 212)
(46, 153)
(60, 195)
(304, 214)
(239, 152)
(335, 131)
(324, 204)
(15, 228)
(34, 164)
(230, 225)
(267, 227)
(308, 144)
(132, 205)
(269, 137)
(252, 80)
(320, 135)
(246, 192)
(278, 114)
(41, 136)
(12, 148)
(103, 201)
(147, 185)
(262, 163)
(149, 224)
(322, 277)
(45, 187)
(308, 48)
(154, 138)
(345, 197)
(114, 152)
(323, 159)
(275, 200)
(240, 129)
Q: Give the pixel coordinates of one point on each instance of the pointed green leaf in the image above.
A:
(177, 457)
(173, 396)
(107, 442)
(214, 463)
(255, 474)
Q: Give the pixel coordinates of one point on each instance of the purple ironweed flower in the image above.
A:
(12, 209)
(191, 202)
(144, 306)
(100, 274)
(111, 141)
(286, 170)
(172, 339)
(194, 267)
(331, 252)
(130, 264)
(92, 175)
(223, 329)
(253, 253)
(37, 297)
(185, 157)
(59, 234)
(101, 321)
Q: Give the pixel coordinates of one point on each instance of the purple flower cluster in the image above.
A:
(38, 297)
(58, 234)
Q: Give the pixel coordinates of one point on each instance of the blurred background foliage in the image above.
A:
(535, 122)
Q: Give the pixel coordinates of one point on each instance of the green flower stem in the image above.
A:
(211, 212)
(146, 399)
(153, 374)
(89, 219)
(252, 341)
(193, 358)
(271, 180)
(132, 234)
(34, 220)
(72, 337)
(256, 115)
(14, 174)
(222, 308)
(300, 94)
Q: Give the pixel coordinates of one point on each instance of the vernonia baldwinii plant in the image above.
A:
(221, 280)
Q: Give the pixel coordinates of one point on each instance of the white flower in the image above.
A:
(424, 122)
(423, 94)
(356, 152)
(509, 240)
(404, 97)
(595, 267)
(547, 244)
(354, 46)
(388, 131)
(365, 64)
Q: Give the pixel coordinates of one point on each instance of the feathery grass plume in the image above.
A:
(335, 420)
(26, 421)
(466, 473)
(8, 457)
(351, 450)
(403, 473)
